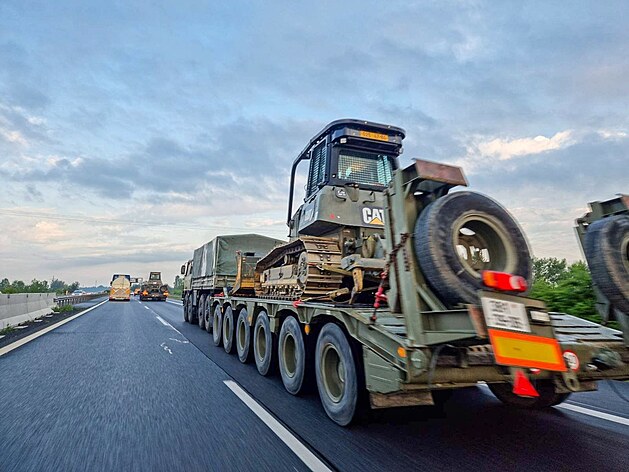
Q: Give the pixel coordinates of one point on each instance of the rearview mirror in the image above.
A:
(183, 269)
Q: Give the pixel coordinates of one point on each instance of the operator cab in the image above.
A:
(351, 163)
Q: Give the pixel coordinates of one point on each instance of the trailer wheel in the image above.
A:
(243, 336)
(291, 354)
(217, 326)
(336, 372)
(208, 316)
(201, 313)
(263, 344)
(606, 248)
(228, 330)
(547, 395)
(460, 235)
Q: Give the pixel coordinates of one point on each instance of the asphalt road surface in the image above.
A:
(130, 386)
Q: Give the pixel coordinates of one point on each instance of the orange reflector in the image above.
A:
(401, 352)
(522, 386)
(526, 350)
(504, 281)
(307, 329)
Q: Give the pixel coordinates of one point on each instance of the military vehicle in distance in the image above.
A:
(392, 289)
(120, 288)
(603, 233)
(153, 289)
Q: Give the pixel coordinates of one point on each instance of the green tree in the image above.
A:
(566, 289)
(549, 269)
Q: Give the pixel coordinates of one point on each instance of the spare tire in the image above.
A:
(460, 235)
(606, 247)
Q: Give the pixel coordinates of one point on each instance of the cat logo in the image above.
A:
(373, 216)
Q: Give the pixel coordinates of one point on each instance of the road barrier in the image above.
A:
(16, 308)
(74, 299)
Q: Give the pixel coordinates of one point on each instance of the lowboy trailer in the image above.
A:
(392, 289)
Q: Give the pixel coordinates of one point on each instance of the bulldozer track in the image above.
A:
(294, 270)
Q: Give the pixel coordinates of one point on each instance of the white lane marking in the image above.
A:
(166, 323)
(166, 348)
(584, 411)
(300, 450)
(30, 337)
(594, 413)
(174, 303)
(179, 341)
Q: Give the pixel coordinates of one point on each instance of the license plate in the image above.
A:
(371, 135)
(503, 314)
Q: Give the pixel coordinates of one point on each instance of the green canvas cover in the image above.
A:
(218, 257)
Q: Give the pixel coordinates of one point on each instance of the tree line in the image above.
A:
(38, 286)
(565, 288)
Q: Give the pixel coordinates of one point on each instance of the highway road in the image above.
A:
(131, 386)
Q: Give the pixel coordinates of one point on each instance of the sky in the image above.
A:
(132, 132)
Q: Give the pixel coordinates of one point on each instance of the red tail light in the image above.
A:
(504, 281)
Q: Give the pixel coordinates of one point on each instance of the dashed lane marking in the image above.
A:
(166, 323)
(300, 450)
(30, 337)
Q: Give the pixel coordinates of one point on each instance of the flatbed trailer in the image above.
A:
(449, 310)
(398, 372)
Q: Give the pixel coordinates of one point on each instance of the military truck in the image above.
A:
(120, 288)
(603, 234)
(153, 289)
(394, 289)
(215, 268)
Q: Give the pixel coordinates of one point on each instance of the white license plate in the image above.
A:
(503, 314)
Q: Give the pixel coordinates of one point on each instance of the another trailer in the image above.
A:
(214, 269)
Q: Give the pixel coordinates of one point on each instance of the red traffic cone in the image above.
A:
(522, 386)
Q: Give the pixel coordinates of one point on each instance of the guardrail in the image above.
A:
(74, 299)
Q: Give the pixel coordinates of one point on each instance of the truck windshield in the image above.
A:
(154, 276)
(364, 168)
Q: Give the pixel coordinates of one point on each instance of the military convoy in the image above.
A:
(153, 289)
(393, 289)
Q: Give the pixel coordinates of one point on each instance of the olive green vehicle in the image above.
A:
(603, 234)
(153, 289)
(392, 289)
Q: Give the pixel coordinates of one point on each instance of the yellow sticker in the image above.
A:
(372, 135)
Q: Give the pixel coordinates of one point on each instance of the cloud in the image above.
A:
(505, 149)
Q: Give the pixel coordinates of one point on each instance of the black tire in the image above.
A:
(186, 308)
(201, 312)
(461, 221)
(228, 330)
(243, 336)
(208, 316)
(547, 395)
(606, 248)
(192, 312)
(336, 372)
(292, 356)
(263, 349)
(217, 325)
